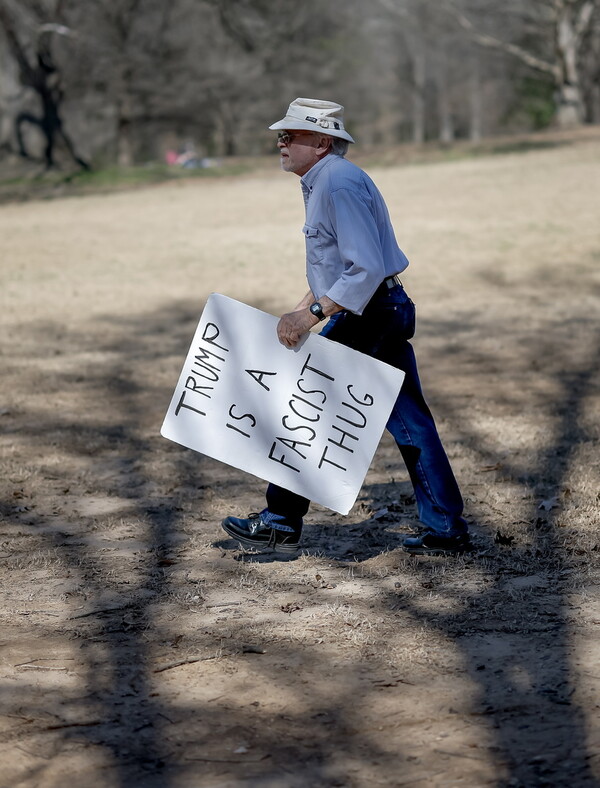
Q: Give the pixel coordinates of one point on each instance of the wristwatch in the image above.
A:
(317, 310)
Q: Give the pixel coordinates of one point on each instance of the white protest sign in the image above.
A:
(308, 419)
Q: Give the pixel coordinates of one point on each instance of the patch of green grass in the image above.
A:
(152, 173)
(55, 183)
(523, 146)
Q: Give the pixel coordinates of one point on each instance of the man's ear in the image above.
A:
(323, 144)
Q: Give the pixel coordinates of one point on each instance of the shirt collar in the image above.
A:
(308, 180)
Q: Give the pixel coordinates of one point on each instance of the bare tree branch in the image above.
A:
(495, 43)
(585, 16)
(394, 8)
(61, 30)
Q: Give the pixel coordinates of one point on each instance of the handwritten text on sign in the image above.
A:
(307, 419)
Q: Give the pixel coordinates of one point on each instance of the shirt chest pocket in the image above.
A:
(314, 246)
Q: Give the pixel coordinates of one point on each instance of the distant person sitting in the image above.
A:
(188, 159)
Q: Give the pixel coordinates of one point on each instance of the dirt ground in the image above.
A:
(140, 647)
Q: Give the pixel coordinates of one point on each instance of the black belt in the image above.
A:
(392, 281)
(388, 284)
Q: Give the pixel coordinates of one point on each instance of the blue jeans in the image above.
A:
(383, 331)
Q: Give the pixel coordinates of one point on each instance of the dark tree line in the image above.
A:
(123, 80)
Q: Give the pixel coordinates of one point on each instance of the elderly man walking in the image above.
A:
(353, 262)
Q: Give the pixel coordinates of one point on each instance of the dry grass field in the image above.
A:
(142, 649)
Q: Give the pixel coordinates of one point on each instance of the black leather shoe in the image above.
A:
(428, 543)
(256, 533)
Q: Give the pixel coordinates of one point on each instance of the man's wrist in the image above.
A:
(316, 309)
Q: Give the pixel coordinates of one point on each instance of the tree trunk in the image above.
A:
(419, 84)
(445, 119)
(42, 76)
(569, 100)
(475, 100)
(124, 143)
(124, 125)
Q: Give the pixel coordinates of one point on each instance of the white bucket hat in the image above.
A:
(315, 115)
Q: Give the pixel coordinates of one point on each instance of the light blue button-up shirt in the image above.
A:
(350, 243)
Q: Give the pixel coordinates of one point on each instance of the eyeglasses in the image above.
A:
(286, 137)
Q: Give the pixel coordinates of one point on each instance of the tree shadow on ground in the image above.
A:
(96, 434)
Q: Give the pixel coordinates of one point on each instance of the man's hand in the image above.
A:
(293, 325)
